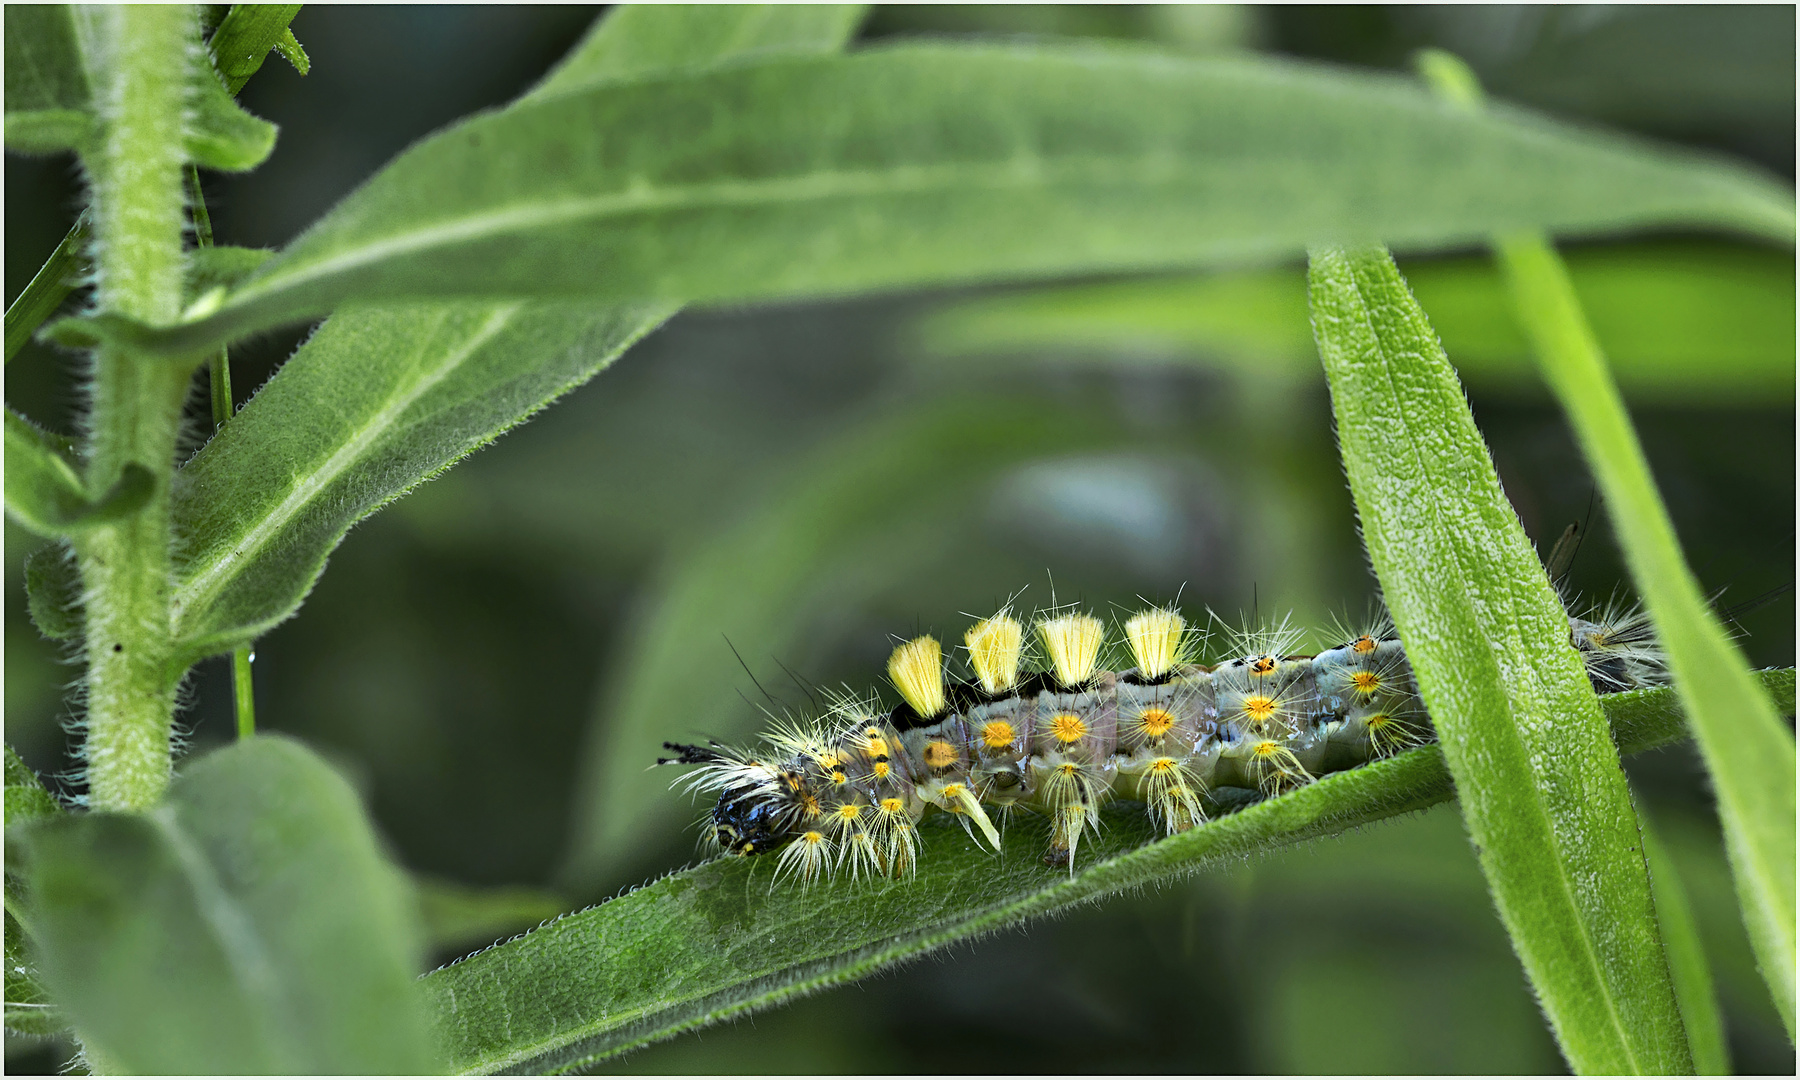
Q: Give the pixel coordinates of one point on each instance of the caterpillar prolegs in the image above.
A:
(1052, 729)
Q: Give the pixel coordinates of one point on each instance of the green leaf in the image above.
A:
(45, 68)
(249, 924)
(1687, 960)
(375, 403)
(210, 267)
(1749, 752)
(48, 288)
(26, 799)
(1681, 323)
(44, 493)
(29, 1010)
(290, 50)
(706, 944)
(243, 40)
(644, 40)
(791, 177)
(49, 131)
(53, 592)
(1538, 776)
(220, 134)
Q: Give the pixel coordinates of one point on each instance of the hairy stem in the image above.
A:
(136, 405)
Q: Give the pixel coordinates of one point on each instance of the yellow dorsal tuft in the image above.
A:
(1155, 639)
(917, 671)
(994, 644)
(1073, 642)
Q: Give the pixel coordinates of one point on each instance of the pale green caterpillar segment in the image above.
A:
(844, 793)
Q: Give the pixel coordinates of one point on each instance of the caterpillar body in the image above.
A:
(843, 793)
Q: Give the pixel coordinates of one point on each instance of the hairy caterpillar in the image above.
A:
(1051, 729)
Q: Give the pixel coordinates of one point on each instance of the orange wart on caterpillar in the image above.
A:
(1051, 729)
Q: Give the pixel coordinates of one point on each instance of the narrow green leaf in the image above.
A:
(1749, 752)
(53, 592)
(1687, 960)
(249, 924)
(47, 496)
(45, 68)
(706, 944)
(644, 40)
(790, 177)
(242, 42)
(1680, 323)
(375, 403)
(48, 288)
(1539, 779)
(220, 134)
(290, 50)
(49, 131)
(29, 1010)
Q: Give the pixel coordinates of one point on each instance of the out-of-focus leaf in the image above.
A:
(44, 64)
(29, 1010)
(44, 494)
(220, 134)
(1688, 968)
(714, 942)
(803, 176)
(48, 131)
(249, 924)
(372, 405)
(1683, 323)
(53, 591)
(640, 40)
(1536, 770)
(209, 267)
(459, 916)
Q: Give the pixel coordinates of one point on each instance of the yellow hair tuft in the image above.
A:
(917, 671)
(1155, 640)
(994, 645)
(1073, 642)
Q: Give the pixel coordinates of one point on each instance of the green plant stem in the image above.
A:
(136, 413)
(243, 690)
(47, 289)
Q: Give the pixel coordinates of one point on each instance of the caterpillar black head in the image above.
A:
(746, 821)
(754, 814)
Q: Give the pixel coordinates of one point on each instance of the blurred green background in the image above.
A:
(493, 659)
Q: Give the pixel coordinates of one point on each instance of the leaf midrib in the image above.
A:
(1546, 823)
(200, 589)
(1016, 173)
